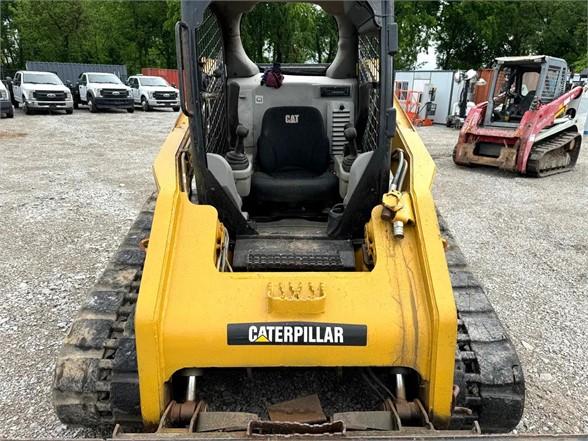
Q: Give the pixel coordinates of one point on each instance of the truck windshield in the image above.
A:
(104, 78)
(41, 78)
(153, 81)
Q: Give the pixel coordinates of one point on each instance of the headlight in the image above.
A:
(150, 94)
(3, 94)
(29, 95)
(99, 92)
(68, 95)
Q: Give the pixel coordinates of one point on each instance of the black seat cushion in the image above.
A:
(295, 186)
(293, 157)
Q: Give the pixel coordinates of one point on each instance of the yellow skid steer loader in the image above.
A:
(291, 275)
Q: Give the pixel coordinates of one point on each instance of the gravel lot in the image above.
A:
(527, 242)
(70, 186)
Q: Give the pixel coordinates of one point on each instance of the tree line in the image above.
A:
(467, 34)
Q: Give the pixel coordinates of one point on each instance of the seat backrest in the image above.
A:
(293, 137)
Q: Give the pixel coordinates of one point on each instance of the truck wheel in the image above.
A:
(91, 105)
(176, 108)
(145, 105)
(131, 109)
(16, 104)
(27, 109)
(69, 111)
(10, 113)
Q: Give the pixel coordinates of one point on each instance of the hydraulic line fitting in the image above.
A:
(398, 210)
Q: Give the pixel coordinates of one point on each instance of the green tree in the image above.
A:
(416, 24)
(470, 34)
(50, 31)
(467, 33)
(289, 33)
(563, 31)
(325, 37)
(134, 33)
(10, 56)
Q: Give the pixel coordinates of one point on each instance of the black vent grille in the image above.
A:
(164, 95)
(114, 93)
(49, 95)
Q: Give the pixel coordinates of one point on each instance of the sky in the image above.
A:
(428, 59)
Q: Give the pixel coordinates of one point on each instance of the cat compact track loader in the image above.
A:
(528, 125)
(290, 276)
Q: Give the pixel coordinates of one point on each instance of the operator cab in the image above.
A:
(295, 151)
(517, 87)
(521, 82)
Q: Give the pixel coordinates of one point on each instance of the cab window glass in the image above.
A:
(289, 33)
(550, 84)
(501, 81)
(529, 82)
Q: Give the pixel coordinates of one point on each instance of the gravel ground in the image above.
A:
(70, 186)
(526, 240)
(71, 183)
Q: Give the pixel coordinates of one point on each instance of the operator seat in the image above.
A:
(526, 101)
(293, 158)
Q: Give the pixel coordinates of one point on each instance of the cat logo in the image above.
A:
(261, 338)
(292, 119)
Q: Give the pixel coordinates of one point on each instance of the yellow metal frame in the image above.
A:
(185, 304)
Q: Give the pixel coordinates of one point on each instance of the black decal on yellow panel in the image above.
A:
(296, 333)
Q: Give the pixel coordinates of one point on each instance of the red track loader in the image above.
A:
(529, 122)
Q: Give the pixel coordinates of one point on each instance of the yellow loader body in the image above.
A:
(186, 306)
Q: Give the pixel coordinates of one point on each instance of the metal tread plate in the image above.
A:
(293, 254)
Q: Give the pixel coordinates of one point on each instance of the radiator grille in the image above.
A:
(49, 95)
(164, 95)
(339, 117)
(114, 93)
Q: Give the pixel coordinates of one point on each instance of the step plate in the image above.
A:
(293, 255)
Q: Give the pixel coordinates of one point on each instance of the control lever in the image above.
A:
(350, 148)
(237, 158)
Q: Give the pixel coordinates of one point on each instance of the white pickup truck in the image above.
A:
(40, 91)
(6, 107)
(152, 91)
(99, 90)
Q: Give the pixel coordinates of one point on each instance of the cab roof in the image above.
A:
(527, 59)
(36, 72)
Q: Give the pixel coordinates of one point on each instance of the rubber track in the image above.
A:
(96, 380)
(537, 166)
(487, 367)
